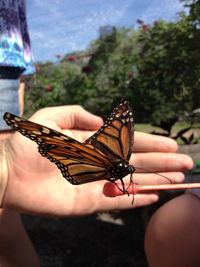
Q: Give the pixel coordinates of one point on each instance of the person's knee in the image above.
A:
(173, 231)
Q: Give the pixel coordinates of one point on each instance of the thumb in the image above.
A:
(68, 117)
(77, 117)
(83, 119)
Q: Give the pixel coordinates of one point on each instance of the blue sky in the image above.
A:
(63, 26)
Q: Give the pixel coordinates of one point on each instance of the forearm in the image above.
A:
(3, 171)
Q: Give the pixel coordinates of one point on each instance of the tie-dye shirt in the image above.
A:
(15, 47)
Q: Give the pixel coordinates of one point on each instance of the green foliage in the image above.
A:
(156, 66)
(169, 71)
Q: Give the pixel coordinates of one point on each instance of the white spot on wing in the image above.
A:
(36, 132)
(46, 130)
(125, 113)
(17, 119)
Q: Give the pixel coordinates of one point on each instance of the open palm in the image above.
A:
(35, 185)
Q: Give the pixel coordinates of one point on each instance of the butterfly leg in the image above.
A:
(131, 183)
(123, 190)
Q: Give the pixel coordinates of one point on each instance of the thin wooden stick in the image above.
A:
(110, 189)
(146, 188)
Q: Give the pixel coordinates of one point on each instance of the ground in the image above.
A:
(106, 240)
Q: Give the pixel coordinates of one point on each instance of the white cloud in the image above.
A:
(58, 26)
(161, 9)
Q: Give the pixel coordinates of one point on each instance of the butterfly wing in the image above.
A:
(78, 163)
(115, 138)
(98, 158)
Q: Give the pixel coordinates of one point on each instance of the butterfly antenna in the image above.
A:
(155, 173)
(131, 183)
(124, 190)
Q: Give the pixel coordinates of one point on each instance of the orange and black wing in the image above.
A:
(115, 138)
(97, 158)
(78, 163)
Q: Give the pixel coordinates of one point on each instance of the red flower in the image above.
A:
(58, 55)
(93, 55)
(37, 68)
(87, 69)
(155, 23)
(145, 27)
(49, 88)
(139, 21)
(130, 75)
(141, 55)
(71, 58)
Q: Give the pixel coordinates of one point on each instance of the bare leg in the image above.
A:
(173, 234)
(15, 246)
(16, 249)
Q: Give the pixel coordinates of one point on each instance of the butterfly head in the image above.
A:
(121, 170)
(130, 169)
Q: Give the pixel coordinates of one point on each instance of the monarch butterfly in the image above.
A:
(105, 155)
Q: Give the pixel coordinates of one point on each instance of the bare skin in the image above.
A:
(172, 235)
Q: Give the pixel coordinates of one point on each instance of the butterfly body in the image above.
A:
(105, 155)
(120, 170)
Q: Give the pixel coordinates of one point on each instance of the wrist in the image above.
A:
(5, 134)
(3, 171)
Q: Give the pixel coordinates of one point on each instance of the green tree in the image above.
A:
(168, 82)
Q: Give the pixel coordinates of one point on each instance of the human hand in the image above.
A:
(35, 185)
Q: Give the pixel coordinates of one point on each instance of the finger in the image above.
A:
(144, 142)
(162, 162)
(79, 135)
(155, 178)
(123, 201)
(136, 201)
(111, 190)
(68, 117)
(82, 119)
